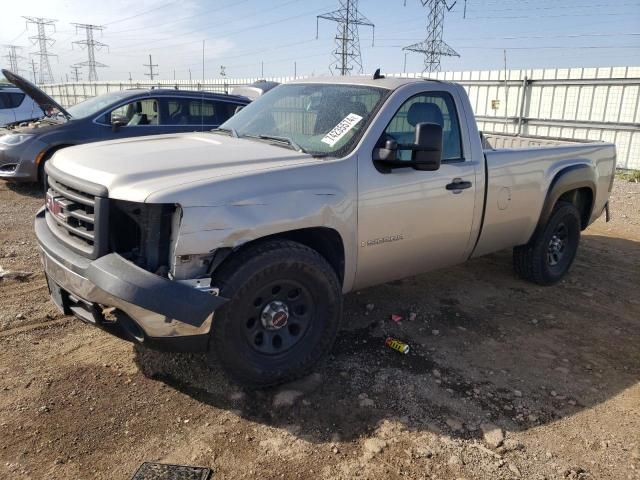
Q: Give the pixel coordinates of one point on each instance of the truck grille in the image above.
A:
(75, 216)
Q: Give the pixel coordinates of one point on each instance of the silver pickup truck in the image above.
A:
(241, 242)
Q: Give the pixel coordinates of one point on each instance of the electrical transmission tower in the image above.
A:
(347, 56)
(92, 45)
(75, 76)
(13, 57)
(433, 47)
(151, 74)
(44, 42)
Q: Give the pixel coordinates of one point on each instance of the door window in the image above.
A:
(429, 107)
(192, 111)
(11, 99)
(136, 113)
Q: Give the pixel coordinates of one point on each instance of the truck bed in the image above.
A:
(518, 175)
(496, 141)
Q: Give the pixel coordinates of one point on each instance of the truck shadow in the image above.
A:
(485, 346)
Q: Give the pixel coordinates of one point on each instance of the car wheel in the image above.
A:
(283, 313)
(549, 254)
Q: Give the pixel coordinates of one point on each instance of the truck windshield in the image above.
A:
(95, 104)
(319, 119)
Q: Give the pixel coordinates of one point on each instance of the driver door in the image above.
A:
(412, 221)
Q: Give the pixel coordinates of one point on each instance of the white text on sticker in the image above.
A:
(341, 129)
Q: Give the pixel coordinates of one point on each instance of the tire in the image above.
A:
(549, 254)
(47, 156)
(250, 337)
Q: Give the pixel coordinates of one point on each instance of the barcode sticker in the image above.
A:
(341, 129)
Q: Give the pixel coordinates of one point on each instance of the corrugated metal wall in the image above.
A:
(562, 103)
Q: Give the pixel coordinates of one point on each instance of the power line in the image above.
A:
(347, 56)
(197, 15)
(91, 44)
(151, 65)
(120, 20)
(541, 37)
(558, 7)
(219, 34)
(516, 17)
(44, 42)
(433, 47)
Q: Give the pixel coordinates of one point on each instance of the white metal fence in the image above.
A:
(562, 103)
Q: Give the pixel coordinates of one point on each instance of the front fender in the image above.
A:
(208, 228)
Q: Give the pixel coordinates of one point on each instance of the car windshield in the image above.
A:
(320, 119)
(96, 104)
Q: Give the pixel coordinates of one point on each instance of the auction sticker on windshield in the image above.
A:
(341, 129)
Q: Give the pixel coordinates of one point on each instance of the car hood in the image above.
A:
(133, 169)
(38, 126)
(44, 101)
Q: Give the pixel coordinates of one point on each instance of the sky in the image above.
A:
(255, 38)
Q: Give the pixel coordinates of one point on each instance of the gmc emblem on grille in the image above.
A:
(53, 205)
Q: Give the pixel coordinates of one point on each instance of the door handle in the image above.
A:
(458, 184)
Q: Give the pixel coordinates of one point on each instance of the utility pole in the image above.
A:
(295, 70)
(91, 44)
(261, 69)
(43, 42)
(347, 53)
(150, 65)
(76, 73)
(223, 71)
(189, 75)
(130, 79)
(506, 91)
(433, 47)
(33, 69)
(13, 57)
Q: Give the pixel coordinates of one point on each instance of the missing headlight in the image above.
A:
(141, 233)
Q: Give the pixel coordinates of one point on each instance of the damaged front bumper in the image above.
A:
(126, 300)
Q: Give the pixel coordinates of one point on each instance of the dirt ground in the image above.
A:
(505, 379)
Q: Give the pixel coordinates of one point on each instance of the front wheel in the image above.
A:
(283, 313)
(549, 254)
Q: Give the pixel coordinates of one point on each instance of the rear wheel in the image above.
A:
(550, 253)
(282, 316)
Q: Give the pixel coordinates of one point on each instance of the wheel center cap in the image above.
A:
(275, 315)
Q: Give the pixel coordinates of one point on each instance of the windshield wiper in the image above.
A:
(285, 140)
(230, 131)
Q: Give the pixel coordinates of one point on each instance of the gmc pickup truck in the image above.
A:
(240, 242)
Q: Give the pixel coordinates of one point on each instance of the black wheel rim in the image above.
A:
(557, 245)
(278, 317)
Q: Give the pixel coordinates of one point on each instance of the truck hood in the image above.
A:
(132, 169)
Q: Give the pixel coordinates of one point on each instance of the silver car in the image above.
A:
(16, 106)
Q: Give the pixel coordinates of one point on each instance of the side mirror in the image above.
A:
(117, 122)
(427, 148)
(388, 153)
